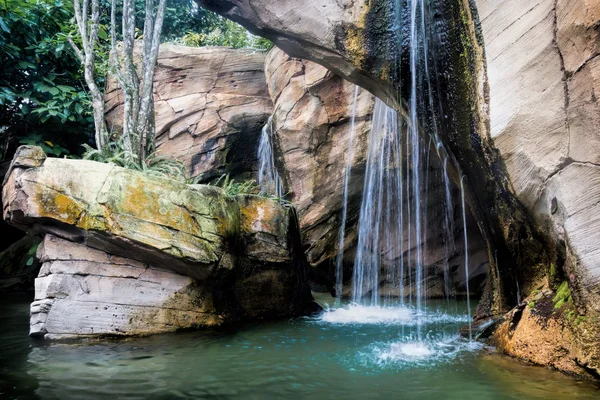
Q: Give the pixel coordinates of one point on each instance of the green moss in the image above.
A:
(531, 304)
(563, 295)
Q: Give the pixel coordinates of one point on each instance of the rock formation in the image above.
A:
(210, 106)
(214, 252)
(312, 125)
(521, 81)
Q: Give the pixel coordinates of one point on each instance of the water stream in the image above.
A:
(269, 180)
(339, 267)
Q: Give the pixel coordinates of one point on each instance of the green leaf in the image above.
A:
(102, 34)
(26, 64)
(3, 26)
(66, 89)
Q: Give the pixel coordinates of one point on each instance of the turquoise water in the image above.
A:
(352, 353)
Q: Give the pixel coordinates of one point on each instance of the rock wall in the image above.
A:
(544, 78)
(312, 125)
(242, 254)
(521, 86)
(210, 106)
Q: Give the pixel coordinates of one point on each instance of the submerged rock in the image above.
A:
(222, 247)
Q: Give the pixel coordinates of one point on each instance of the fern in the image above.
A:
(154, 164)
(233, 188)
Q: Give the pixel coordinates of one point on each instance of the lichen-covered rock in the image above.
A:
(546, 329)
(207, 243)
(210, 105)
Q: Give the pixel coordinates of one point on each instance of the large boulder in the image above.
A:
(210, 105)
(228, 248)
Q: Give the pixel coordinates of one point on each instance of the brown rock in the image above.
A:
(210, 106)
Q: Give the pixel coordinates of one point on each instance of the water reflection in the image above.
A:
(299, 359)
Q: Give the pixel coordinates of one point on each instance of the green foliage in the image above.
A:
(42, 98)
(226, 33)
(234, 188)
(36, 139)
(154, 164)
(31, 253)
(563, 295)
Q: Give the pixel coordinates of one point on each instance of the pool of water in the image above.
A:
(350, 352)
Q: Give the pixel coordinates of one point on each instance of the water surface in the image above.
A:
(347, 353)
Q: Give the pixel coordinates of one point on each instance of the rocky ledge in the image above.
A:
(126, 253)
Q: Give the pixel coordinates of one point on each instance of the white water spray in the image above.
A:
(269, 180)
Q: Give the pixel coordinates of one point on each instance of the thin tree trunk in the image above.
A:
(146, 113)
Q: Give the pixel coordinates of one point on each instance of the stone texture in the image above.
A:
(312, 125)
(327, 32)
(312, 128)
(542, 331)
(216, 249)
(544, 78)
(82, 292)
(526, 90)
(210, 106)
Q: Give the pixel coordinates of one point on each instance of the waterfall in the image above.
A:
(449, 227)
(415, 154)
(464, 215)
(395, 197)
(339, 267)
(380, 207)
(269, 180)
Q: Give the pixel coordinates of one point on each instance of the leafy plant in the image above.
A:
(226, 33)
(49, 148)
(40, 80)
(233, 188)
(153, 163)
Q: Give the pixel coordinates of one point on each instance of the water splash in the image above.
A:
(269, 180)
(339, 267)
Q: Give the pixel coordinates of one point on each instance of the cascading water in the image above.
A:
(449, 230)
(339, 268)
(383, 178)
(393, 227)
(464, 215)
(269, 180)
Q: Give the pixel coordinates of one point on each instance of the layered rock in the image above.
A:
(210, 105)
(228, 248)
(544, 78)
(317, 114)
(523, 132)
